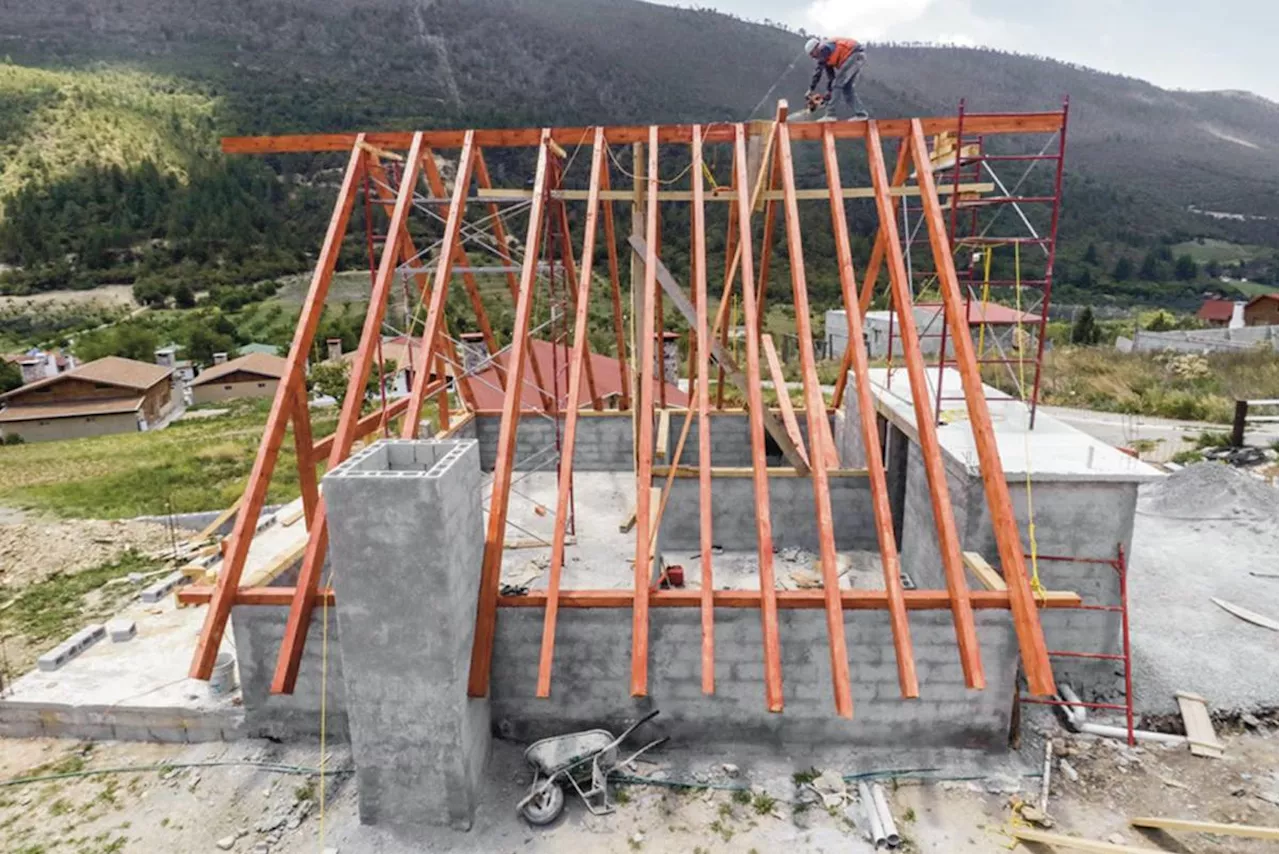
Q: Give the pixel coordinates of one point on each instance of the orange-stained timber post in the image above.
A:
(857, 348)
(299, 619)
(815, 414)
(491, 568)
(926, 427)
(702, 346)
(1035, 658)
(576, 360)
(277, 420)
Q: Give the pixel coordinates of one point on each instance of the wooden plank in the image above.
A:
(499, 503)
(302, 444)
(663, 441)
(263, 576)
(295, 633)
(859, 363)
(577, 358)
(930, 452)
(615, 297)
(975, 123)
(571, 278)
(1199, 726)
(1252, 831)
(735, 374)
(370, 423)
(1074, 843)
(755, 413)
(702, 343)
(815, 413)
(221, 519)
(772, 195)
(983, 571)
(1031, 643)
(485, 184)
(644, 434)
(748, 471)
(215, 622)
(1246, 615)
(789, 422)
(852, 600)
(628, 521)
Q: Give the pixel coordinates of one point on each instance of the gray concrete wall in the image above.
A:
(593, 659)
(1073, 518)
(603, 442)
(406, 541)
(258, 632)
(730, 441)
(791, 509)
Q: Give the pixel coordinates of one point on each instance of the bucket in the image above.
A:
(223, 678)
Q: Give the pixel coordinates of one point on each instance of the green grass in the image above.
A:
(1253, 289)
(1222, 251)
(189, 466)
(51, 608)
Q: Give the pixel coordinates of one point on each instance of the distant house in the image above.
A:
(1263, 310)
(109, 395)
(254, 375)
(1217, 312)
(37, 364)
(995, 326)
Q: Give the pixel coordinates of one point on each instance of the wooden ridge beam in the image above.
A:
(815, 414)
(255, 493)
(492, 195)
(788, 600)
(859, 362)
(1035, 657)
(926, 426)
(565, 480)
(491, 568)
(976, 123)
(295, 632)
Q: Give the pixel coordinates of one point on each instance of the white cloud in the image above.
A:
(863, 20)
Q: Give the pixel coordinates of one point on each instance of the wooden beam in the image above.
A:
(1073, 843)
(852, 600)
(370, 423)
(485, 183)
(571, 278)
(926, 427)
(302, 444)
(976, 123)
(210, 530)
(499, 503)
(748, 471)
(492, 195)
(1186, 825)
(986, 574)
(755, 414)
(644, 435)
(735, 374)
(815, 414)
(255, 493)
(702, 343)
(295, 632)
(1035, 657)
(859, 363)
(789, 422)
(615, 296)
(576, 360)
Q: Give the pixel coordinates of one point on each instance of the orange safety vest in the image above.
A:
(844, 50)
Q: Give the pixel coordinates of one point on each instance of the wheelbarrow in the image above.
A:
(581, 760)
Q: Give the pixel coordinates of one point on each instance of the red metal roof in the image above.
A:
(1216, 309)
(993, 314)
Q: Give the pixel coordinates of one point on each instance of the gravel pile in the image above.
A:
(1210, 490)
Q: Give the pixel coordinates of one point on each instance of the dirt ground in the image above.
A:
(250, 809)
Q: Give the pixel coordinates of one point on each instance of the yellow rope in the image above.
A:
(1036, 586)
(986, 298)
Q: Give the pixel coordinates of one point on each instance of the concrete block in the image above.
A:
(163, 587)
(121, 630)
(71, 647)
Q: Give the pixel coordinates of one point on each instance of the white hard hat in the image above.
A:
(812, 44)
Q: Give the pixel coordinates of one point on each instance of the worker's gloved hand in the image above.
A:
(812, 100)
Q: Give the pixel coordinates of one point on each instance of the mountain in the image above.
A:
(1141, 160)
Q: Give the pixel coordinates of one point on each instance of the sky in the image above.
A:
(1175, 44)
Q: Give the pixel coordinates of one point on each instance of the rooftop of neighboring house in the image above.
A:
(127, 374)
(1216, 309)
(262, 364)
(1262, 299)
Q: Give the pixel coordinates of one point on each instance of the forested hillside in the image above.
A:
(110, 110)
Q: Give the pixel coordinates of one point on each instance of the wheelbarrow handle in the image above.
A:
(636, 726)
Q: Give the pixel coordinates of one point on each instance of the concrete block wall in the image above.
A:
(593, 659)
(258, 631)
(730, 440)
(406, 541)
(1073, 518)
(602, 443)
(791, 509)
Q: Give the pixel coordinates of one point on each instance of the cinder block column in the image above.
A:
(405, 542)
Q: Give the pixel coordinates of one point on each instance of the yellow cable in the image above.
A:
(986, 297)
(1036, 586)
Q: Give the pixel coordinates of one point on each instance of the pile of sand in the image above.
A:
(1210, 491)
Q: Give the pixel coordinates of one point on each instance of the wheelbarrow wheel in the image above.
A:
(544, 807)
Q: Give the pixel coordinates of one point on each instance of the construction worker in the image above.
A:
(840, 60)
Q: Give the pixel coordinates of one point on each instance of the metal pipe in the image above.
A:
(890, 830)
(873, 817)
